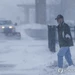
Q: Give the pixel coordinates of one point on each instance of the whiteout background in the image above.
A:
(27, 56)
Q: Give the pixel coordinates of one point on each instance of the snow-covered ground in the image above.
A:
(28, 57)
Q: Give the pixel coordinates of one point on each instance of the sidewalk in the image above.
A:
(23, 57)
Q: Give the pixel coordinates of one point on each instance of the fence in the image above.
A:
(73, 32)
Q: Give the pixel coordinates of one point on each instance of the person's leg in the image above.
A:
(68, 57)
(61, 53)
(60, 61)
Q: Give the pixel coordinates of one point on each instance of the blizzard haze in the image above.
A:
(10, 10)
(24, 36)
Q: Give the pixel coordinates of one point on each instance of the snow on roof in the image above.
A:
(33, 26)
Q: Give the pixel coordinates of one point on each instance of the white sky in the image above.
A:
(9, 9)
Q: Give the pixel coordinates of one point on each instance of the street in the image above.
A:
(23, 57)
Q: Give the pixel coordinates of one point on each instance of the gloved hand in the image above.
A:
(68, 36)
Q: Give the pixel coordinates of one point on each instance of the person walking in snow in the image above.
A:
(65, 41)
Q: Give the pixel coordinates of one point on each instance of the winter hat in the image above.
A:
(59, 17)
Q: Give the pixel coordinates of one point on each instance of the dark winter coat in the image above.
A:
(63, 41)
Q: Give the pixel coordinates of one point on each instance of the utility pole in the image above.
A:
(40, 9)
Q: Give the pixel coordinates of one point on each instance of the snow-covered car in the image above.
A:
(6, 25)
(8, 28)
